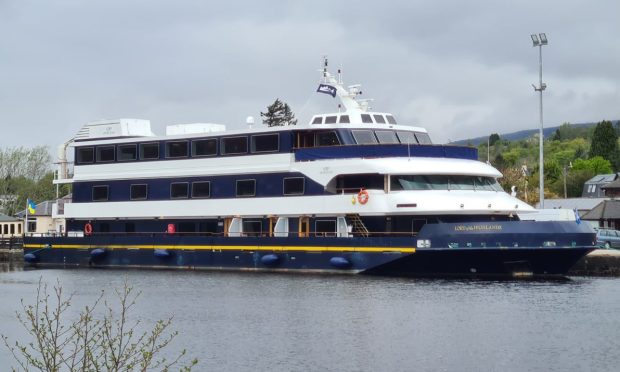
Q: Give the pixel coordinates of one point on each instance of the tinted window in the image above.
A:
(364, 137)
(327, 139)
(390, 119)
(138, 192)
(386, 136)
(325, 227)
(149, 150)
(105, 154)
(85, 155)
(235, 145)
(294, 186)
(379, 119)
(344, 119)
(266, 143)
(127, 152)
(423, 138)
(317, 120)
(330, 120)
(252, 228)
(406, 137)
(176, 149)
(100, 193)
(201, 189)
(366, 119)
(246, 187)
(206, 147)
(179, 190)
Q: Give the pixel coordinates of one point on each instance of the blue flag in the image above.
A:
(327, 89)
(577, 218)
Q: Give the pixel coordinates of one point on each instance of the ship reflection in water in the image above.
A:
(274, 322)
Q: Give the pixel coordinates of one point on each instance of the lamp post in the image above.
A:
(538, 41)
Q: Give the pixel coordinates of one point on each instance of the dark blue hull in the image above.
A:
(471, 249)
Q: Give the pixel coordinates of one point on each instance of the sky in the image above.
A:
(461, 69)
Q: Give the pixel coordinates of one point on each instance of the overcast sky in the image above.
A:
(459, 68)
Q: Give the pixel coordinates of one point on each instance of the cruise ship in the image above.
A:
(352, 192)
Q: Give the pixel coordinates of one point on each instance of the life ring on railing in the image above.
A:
(363, 196)
(88, 229)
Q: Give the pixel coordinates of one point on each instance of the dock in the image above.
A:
(600, 262)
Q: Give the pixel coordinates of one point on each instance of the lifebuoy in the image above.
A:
(363, 196)
(88, 229)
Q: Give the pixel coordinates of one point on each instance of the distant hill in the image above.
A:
(522, 134)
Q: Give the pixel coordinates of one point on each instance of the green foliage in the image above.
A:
(596, 165)
(605, 143)
(493, 138)
(278, 114)
(90, 343)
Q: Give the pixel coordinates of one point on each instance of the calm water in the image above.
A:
(268, 322)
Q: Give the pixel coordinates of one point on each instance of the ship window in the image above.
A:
(317, 120)
(443, 182)
(266, 143)
(406, 137)
(326, 139)
(325, 227)
(246, 188)
(294, 186)
(366, 119)
(105, 154)
(179, 190)
(390, 119)
(127, 152)
(423, 138)
(176, 149)
(330, 119)
(386, 136)
(252, 228)
(201, 189)
(149, 150)
(344, 119)
(85, 155)
(138, 192)
(100, 193)
(234, 145)
(205, 147)
(379, 119)
(364, 137)
(461, 183)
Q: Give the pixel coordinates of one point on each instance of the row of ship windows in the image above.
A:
(344, 119)
(200, 189)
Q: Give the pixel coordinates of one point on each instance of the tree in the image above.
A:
(493, 138)
(278, 114)
(605, 143)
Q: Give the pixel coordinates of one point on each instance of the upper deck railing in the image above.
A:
(385, 151)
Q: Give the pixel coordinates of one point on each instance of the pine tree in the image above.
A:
(278, 114)
(605, 143)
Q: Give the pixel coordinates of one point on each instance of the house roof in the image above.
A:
(612, 185)
(581, 204)
(602, 178)
(5, 218)
(42, 209)
(607, 209)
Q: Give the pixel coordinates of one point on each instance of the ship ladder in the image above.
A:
(359, 229)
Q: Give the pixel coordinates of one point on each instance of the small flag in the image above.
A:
(32, 207)
(327, 89)
(577, 218)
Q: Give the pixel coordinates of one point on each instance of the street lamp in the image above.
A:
(538, 41)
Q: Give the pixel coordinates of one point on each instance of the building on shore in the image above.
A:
(10, 226)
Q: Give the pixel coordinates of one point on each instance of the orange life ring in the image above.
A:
(88, 229)
(363, 196)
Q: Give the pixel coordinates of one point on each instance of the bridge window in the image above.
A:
(366, 119)
(105, 154)
(176, 149)
(326, 139)
(423, 138)
(179, 190)
(138, 192)
(234, 145)
(266, 143)
(406, 137)
(330, 119)
(204, 147)
(386, 136)
(364, 137)
(85, 155)
(246, 188)
(443, 182)
(344, 119)
(100, 193)
(201, 189)
(127, 152)
(317, 120)
(390, 119)
(149, 151)
(293, 186)
(379, 119)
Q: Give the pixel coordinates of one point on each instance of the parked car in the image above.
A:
(607, 238)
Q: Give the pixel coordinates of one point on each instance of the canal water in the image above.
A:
(274, 322)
